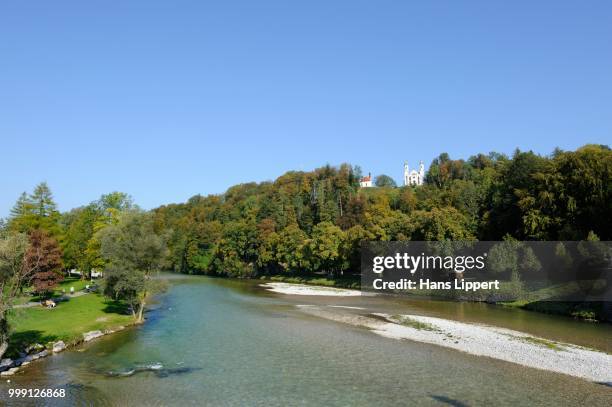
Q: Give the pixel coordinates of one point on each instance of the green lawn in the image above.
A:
(68, 282)
(65, 285)
(67, 322)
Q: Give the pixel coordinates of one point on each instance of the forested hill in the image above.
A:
(314, 221)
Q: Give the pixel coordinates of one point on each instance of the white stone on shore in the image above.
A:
(88, 336)
(59, 346)
(304, 289)
(6, 364)
(20, 361)
(9, 372)
(34, 348)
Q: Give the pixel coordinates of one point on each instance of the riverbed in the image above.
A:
(221, 342)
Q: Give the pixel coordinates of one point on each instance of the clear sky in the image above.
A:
(167, 99)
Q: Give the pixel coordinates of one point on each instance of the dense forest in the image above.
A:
(313, 222)
(307, 222)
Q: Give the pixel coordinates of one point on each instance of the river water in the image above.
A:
(220, 342)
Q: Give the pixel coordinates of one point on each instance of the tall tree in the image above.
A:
(44, 260)
(13, 275)
(133, 253)
(79, 226)
(325, 248)
(36, 211)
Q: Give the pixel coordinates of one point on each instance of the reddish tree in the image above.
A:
(43, 259)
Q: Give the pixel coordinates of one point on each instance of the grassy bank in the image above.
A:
(67, 322)
(586, 311)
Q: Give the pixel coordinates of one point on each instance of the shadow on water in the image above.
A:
(449, 401)
(156, 369)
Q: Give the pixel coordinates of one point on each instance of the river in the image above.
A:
(221, 342)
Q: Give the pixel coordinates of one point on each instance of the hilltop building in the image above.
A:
(366, 182)
(414, 177)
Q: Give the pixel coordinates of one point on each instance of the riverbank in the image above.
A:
(538, 302)
(38, 332)
(477, 339)
(480, 340)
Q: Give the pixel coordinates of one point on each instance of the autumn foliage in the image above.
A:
(44, 259)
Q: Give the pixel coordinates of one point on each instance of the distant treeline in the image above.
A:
(307, 222)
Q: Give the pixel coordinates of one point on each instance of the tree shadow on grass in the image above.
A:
(115, 307)
(20, 340)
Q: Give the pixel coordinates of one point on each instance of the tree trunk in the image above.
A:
(140, 316)
(4, 335)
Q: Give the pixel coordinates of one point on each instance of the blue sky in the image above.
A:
(167, 99)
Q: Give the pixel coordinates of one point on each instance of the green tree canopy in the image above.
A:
(133, 253)
(385, 181)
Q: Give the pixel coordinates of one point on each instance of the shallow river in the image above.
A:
(220, 342)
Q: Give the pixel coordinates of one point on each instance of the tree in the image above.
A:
(12, 277)
(325, 248)
(385, 181)
(290, 249)
(133, 253)
(443, 170)
(407, 201)
(106, 211)
(22, 214)
(445, 223)
(43, 260)
(271, 226)
(513, 258)
(36, 211)
(78, 227)
(119, 201)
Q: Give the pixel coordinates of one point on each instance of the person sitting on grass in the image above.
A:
(49, 303)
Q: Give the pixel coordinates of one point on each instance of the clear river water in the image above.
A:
(223, 343)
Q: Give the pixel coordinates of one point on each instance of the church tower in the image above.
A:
(421, 173)
(414, 177)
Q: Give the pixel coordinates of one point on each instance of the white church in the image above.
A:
(413, 177)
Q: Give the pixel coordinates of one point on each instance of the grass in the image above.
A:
(68, 282)
(67, 322)
(541, 342)
(61, 289)
(551, 300)
(413, 323)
